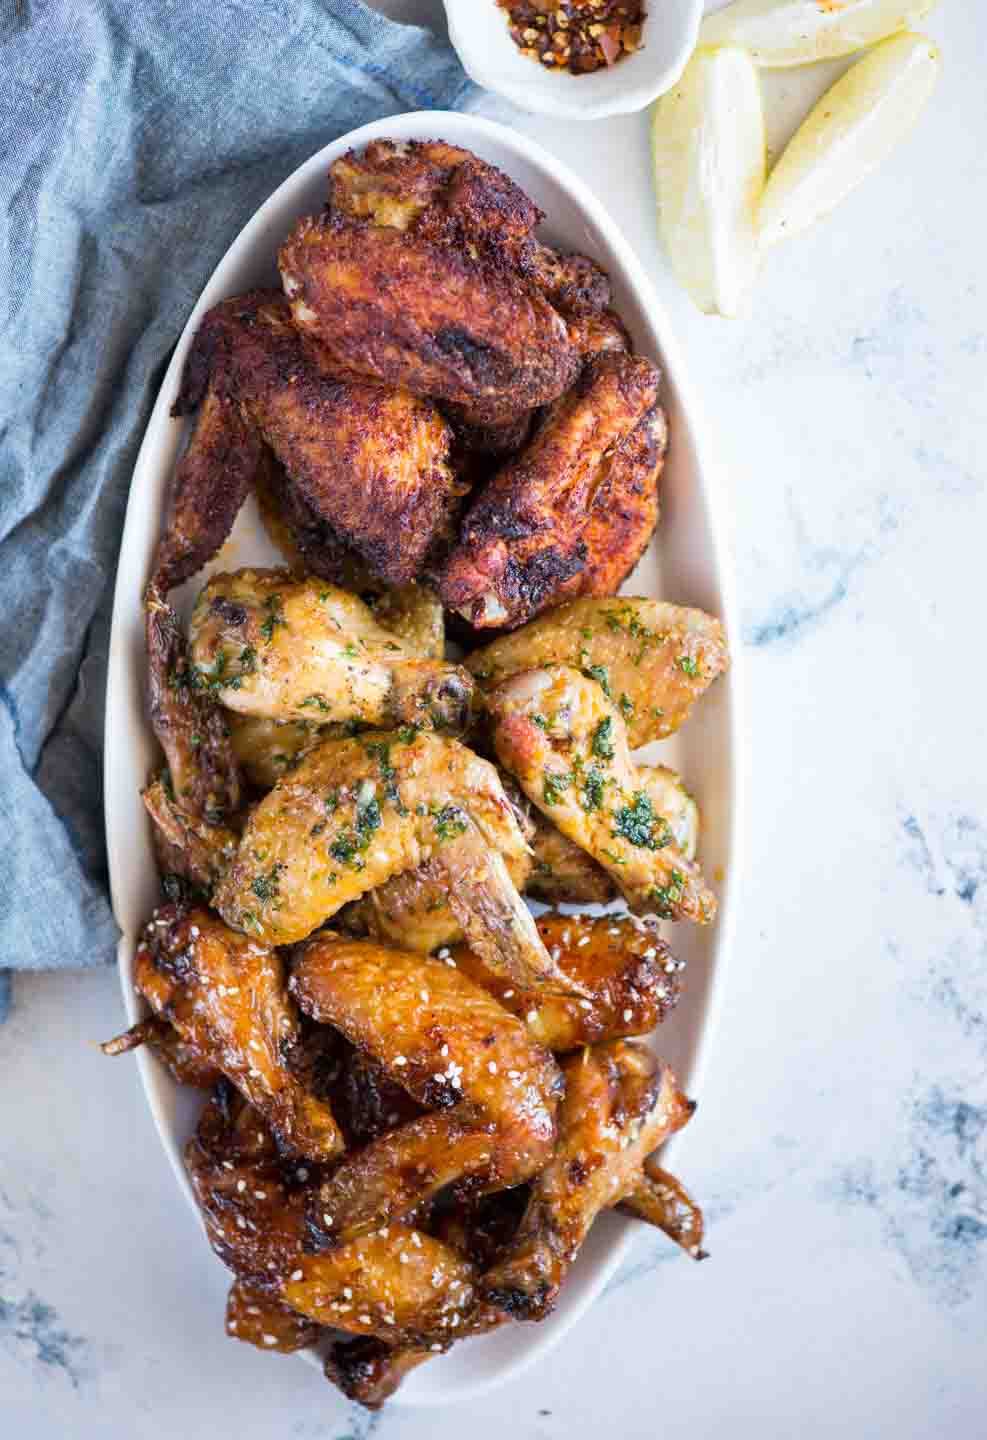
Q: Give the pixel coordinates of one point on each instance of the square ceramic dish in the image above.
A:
(479, 31)
(685, 563)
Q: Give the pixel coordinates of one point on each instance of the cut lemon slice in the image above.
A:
(852, 129)
(708, 146)
(799, 32)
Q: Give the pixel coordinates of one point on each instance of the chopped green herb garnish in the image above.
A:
(688, 666)
(668, 897)
(601, 675)
(449, 821)
(603, 739)
(554, 785)
(591, 797)
(317, 702)
(248, 660)
(638, 823)
(626, 706)
(275, 616)
(266, 887)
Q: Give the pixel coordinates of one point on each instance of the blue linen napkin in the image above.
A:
(136, 138)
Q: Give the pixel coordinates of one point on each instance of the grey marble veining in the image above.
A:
(841, 1141)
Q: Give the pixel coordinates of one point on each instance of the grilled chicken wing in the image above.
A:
(225, 995)
(271, 645)
(562, 873)
(398, 1283)
(371, 462)
(491, 1090)
(653, 659)
(574, 512)
(620, 1104)
(183, 1060)
(559, 734)
(354, 813)
(625, 971)
(258, 1319)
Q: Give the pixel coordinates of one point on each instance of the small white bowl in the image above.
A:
(479, 31)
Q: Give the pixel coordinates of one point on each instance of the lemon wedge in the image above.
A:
(708, 147)
(852, 129)
(799, 32)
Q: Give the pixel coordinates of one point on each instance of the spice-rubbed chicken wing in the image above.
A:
(225, 995)
(372, 462)
(620, 1104)
(625, 971)
(354, 813)
(268, 644)
(573, 513)
(398, 1283)
(557, 732)
(492, 1090)
(653, 659)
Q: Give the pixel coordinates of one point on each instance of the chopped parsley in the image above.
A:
(668, 897)
(603, 739)
(626, 706)
(248, 660)
(275, 617)
(601, 675)
(317, 702)
(591, 796)
(688, 666)
(449, 821)
(638, 823)
(408, 734)
(267, 887)
(554, 785)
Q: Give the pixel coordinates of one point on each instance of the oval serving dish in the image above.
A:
(685, 563)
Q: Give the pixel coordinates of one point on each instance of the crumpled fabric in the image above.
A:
(136, 138)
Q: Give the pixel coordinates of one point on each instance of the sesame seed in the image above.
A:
(444, 953)
(327, 1217)
(492, 1066)
(227, 1164)
(444, 1050)
(241, 1223)
(416, 1239)
(253, 1309)
(194, 931)
(614, 930)
(457, 1084)
(241, 1185)
(400, 1060)
(513, 1074)
(231, 1326)
(403, 1258)
(566, 936)
(260, 1194)
(455, 1321)
(532, 1016)
(383, 1232)
(628, 1014)
(296, 1275)
(508, 994)
(364, 1319)
(585, 1005)
(437, 1348)
(584, 941)
(270, 1339)
(424, 995)
(650, 953)
(302, 1173)
(347, 1293)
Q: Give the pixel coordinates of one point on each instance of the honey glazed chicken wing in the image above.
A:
(492, 1091)
(356, 812)
(541, 530)
(398, 1284)
(652, 658)
(557, 732)
(663, 1201)
(258, 1319)
(183, 1060)
(373, 462)
(271, 645)
(620, 1104)
(225, 994)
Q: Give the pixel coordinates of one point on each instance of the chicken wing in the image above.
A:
(663, 1201)
(187, 845)
(306, 540)
(625, 971)
(653, 659)
(492, 1092)
(354, 813)
(370, 1371)
(562, 873)
(258, 1319)
(225, 995)
(268, 644)
(557, 732)
(371, 462)
(184, 1061)
(398, 1283)
(575, 510)
(620, 1104)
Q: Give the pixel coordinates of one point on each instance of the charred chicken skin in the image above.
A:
(573, 513)
(620, 1104)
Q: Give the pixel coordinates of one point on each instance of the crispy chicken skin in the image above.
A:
(657, 659)
(373, 462)
(258, 1319)
(411, 311)
(625, 971)
(267, 749)
(492, 1091)
(222, 461)
(306, 540)
(562, 873)
(205, 778)
(354, 813)
(557, 732)
(663, 1201)
(399, 1284)
(575, 510)
(620, 1104)
(183, 1060)
(370, 1371)
(225, 995)
(271, 645)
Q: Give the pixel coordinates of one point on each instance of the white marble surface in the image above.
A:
(842, 1139)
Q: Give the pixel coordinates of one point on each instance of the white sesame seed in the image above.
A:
(492, 1066)
(194, 931)
(327, 1217)
(437, 1348)
(585, 1005)
(400, 1060)
(227, 1164)
(260, 1194)
(383, 1232)
(508, 994)
(455, 1321)
(650, 953)
(444, 1050)
(241, 1223)
(296, 1275)
(416, 1239)
(584, 941)
(231, 1326)
(457, 1084)
(532, 1016)
(364, 1319)
(614, 930)
(302, 1173)
(347, 1293)
(628, 1014)
(566, 936)
(403, 1258)
(513, 1074)
(270, 1339)
(253, 1309)
(444, 953)
(241, 1185)
(221, 991)
(424, 995)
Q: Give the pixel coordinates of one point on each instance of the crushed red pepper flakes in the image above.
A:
(575, 35)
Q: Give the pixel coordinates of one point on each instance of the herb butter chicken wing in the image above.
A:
(573, 513)
(356, 812)
(654, 660)
(270, 645)
(225, 994)
(558, 733)
(373, 462)
(620, 1104)
(491, 1090)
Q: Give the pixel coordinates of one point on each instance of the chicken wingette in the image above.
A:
(556, 731)
(653, 659)
(270, 645)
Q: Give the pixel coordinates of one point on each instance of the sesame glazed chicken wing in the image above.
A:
(354, 813)
(573, 513)
(653, 659)
(492, 1090)
(268, 644)
(225, 995)
(620, 1104)
(557, 732)
(372, 462)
